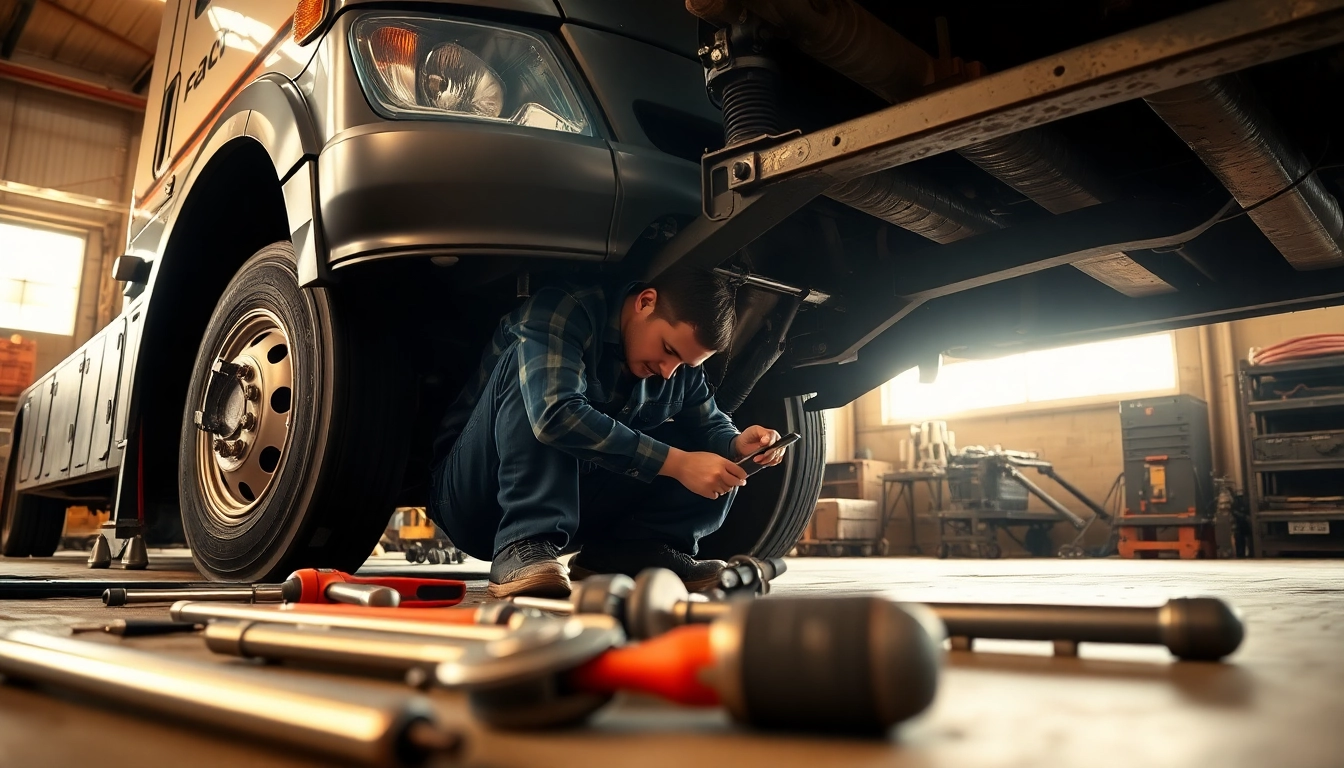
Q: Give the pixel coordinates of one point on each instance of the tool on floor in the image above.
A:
(13, 588)
(1198, 628)
(648, 605)
(136, 627)
(848, 664)
(854, 665)
(751, 574)
(500, 613)
(257, 593)
(370, 619)
(315, 585)
(369, 726)
(521, 653)
(351, 594)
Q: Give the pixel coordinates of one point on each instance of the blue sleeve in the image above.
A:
(553, 336)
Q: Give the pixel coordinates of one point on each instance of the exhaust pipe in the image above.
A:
(850, 40)
(1234, 134)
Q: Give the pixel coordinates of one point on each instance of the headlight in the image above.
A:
(424, 67)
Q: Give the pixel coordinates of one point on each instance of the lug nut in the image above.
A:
(249, 421)
(251, 392)
(245, 372)
(219, 446)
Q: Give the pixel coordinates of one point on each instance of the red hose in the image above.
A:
(1314, 345)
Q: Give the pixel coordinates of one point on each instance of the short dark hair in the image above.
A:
(698, 297)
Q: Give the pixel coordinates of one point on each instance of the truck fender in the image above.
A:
(272, 112)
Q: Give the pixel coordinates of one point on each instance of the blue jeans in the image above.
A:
(499, 485)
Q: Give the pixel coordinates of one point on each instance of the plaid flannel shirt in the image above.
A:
(579, 396)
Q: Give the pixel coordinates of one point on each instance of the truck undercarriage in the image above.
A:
(1058, 172)
(1167, 175)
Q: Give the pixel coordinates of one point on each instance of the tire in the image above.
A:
(770, 513)
(331, 415)
(31, 526)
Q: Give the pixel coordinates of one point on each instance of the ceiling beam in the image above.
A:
(91, 24)
(72, 86)
(21, 14)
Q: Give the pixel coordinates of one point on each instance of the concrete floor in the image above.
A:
(1277, 702)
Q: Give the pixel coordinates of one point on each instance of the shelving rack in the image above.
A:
(1292, 421)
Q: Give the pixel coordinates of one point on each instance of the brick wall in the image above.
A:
(1083, 443)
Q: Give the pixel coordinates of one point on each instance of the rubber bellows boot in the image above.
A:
(101, 555)
(136, 557)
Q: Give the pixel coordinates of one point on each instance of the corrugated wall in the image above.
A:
(55, 141)
(60, 142)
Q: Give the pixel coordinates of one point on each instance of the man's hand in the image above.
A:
(707, 474)
(753, 439)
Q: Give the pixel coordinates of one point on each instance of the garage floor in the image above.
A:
(1279, 700)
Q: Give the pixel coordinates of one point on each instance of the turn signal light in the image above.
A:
(308, 18)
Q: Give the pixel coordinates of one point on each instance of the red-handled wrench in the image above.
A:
(309, 585)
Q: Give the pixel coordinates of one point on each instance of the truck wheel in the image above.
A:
(31, 525)
(770, 513)
(295, 429)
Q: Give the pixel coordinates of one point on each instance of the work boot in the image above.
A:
(631, 557)
(528, 567)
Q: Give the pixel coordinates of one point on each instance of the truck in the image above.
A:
(336, 200)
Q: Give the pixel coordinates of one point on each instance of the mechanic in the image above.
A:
(590, 426)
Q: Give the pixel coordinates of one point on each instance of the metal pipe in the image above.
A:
(380, 729)
(1035, 490)
(258, 593)
(1221, 462)
(1227, 375)
(1238, 138)
(534, 649)
(1201, 628)
(200, 613)
(341, 647)
(1049, 471)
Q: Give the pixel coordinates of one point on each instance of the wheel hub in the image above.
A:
(243, 417)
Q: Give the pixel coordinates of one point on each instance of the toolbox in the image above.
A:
(1168, 457)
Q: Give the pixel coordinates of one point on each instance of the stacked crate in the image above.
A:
(1292, 420)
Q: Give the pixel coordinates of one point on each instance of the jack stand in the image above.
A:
(101, 555)
(134, 557)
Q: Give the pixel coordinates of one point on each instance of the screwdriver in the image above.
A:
(312, 585)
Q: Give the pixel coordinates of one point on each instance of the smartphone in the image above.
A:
(748, 463)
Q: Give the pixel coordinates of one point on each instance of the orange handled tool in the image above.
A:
(839, 664)
(492, 613)
(670, 665)
(309, 585)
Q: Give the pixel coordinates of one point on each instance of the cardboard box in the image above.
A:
(844, 519)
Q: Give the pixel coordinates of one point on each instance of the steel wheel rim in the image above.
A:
(233, 485)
